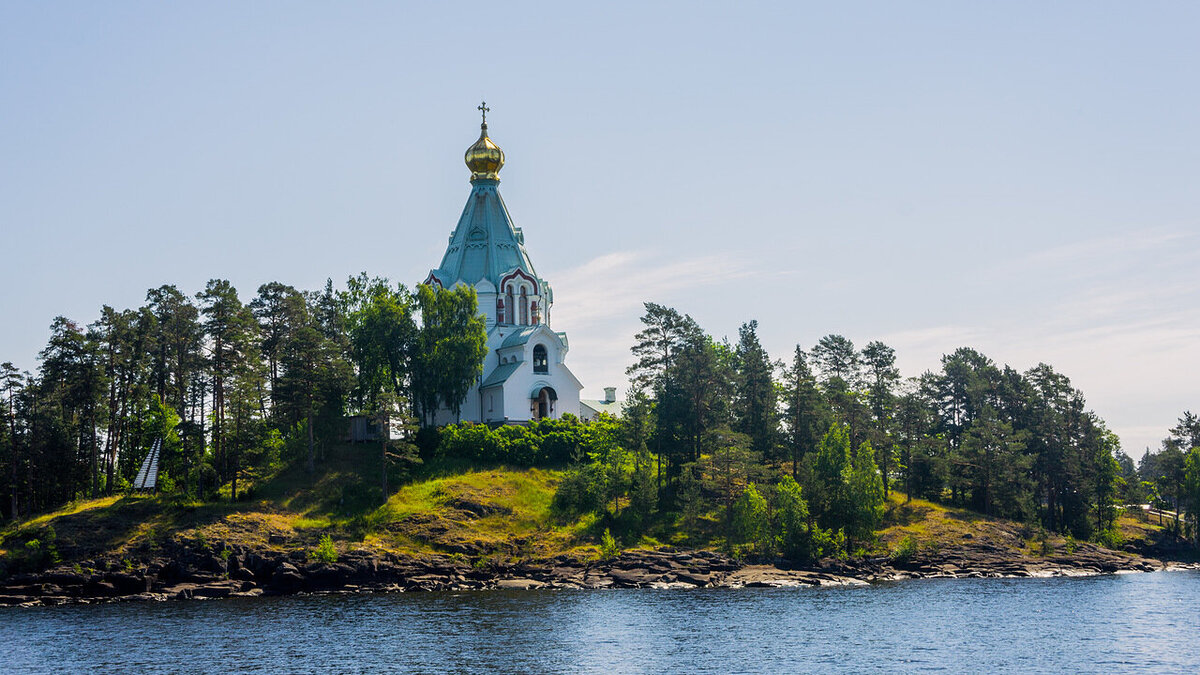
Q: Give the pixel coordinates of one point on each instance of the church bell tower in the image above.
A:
(525, 376)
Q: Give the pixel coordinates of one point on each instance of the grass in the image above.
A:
(936, 526)
(482, 511)
(449, 507)
(454, 507)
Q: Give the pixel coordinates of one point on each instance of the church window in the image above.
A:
(537, 313)
(499, 310)
(512, 308)
(541, 362)
(524, 307)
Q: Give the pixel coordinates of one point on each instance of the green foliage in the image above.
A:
(642, 494)
(583, 489)
(451, 344)
(905, 549)
(749, 525)
(791, 524)
(1111, 538)
(1191, 491)
(608, 545)
(545, 442)
(325, 551)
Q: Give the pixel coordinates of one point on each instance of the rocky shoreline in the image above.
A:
(185, 572)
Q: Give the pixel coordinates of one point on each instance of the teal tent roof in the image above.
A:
(522, 335)
(485, 244)
(518, 337)
(500, 374)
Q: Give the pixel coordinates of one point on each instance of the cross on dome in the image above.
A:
(485, 110)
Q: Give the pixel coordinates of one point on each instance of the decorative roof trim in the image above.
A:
(520, 273)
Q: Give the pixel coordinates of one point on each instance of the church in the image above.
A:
(525, 376)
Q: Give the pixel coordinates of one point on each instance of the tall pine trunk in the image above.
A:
(387, 432)
(12, 463)
(312, 461)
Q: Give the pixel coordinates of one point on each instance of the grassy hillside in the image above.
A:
(935, 526)
(448, 508)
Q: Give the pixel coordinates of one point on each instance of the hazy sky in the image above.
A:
(1016, 177)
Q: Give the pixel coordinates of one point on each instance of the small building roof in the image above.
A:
(596, 406)
(500, 374)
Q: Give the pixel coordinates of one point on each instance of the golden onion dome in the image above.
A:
(484, 158)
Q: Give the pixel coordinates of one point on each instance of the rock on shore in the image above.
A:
(191, 573)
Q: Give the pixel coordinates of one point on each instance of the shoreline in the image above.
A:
(186, 573)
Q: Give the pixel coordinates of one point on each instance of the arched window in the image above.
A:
(524, 307)
(499, 310)
(541, 362)
(537, 313)
(512, 309)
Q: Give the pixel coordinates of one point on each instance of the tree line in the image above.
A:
(230, 385)
(834, 429)
(796, 456)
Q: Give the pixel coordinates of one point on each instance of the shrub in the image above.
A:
(642, 494)
(828, 543)
(905, 549)
(749, 521)
(325, 551)
(791, 521)
(583, 489)
(608, 545)
(1111, 538)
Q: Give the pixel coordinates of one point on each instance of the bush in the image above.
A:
(791, 521)
(1111, 538)
(642, 494)
(608, 545)
(905, 550)
(554, 442)
(325, 551)
(583, 489)
(828, 543)
(749, 521)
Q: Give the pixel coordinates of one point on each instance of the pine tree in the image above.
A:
(805, 419)
(755, 405)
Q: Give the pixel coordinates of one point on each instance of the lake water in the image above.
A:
(1124, 623)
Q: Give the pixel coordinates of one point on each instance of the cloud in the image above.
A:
(1082, 254)
(613, 286)
(599, 304)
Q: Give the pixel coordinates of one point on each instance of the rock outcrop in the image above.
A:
(195, 572)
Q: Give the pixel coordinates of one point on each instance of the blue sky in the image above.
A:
(1017, 177)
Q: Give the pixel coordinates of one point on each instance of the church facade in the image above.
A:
(525, 376)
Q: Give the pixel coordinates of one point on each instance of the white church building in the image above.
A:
(525, 376)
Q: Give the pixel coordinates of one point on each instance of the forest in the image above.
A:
(793, 457)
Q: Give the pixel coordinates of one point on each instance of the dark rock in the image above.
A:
(242, 574)
(100, 589)
(478, 509)
(214, 591)
(632, 578)
(7, 599)
(286, 579)
(694, 579)
(64, 578)
(128, 583)
(326, 576)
